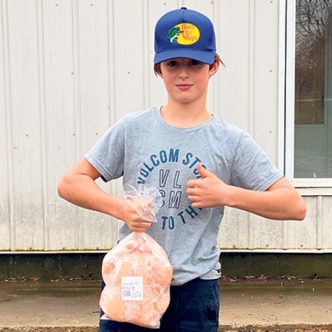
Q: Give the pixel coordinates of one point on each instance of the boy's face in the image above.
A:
(186, 80)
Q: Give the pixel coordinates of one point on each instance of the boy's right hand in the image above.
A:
(138, 217)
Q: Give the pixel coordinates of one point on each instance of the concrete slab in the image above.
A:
(35, 304)
(73, 305)
(278, 302)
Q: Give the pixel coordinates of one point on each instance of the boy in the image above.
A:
(199, 165)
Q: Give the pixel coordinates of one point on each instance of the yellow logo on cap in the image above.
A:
(184, 34)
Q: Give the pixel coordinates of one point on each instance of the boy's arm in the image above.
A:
(78, 186)
(280, 201)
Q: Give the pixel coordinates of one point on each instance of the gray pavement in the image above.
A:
(284, 304)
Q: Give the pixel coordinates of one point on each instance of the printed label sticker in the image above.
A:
(132, 288)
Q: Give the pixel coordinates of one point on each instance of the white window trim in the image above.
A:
(286, 108)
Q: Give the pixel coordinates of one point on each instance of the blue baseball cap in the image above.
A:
(184, 33)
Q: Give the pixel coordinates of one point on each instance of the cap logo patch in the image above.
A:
(184, 34)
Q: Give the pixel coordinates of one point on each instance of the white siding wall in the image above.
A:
(70, 69)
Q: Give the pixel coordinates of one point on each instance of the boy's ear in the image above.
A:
(214, 68)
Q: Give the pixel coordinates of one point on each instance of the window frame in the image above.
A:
(286, 108)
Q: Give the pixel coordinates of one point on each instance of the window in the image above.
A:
(313, 89)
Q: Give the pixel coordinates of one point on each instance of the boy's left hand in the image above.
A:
(280, 201)
(209, 191)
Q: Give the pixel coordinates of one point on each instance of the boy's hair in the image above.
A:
(157, 67)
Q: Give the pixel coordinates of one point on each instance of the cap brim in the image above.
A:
(203, 56)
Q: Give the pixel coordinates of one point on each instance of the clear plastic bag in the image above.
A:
(146, 200)
(137, 274)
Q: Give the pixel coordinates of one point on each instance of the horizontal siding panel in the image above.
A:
(233, 40)
(155, 91)
(265, 63)
(233, 233)
(303, 235)
(325, 223)
(5, 156)
(60, 118)
(92, 58)
(25, 126)
(265, 234)
(240, 230)
(129, 53)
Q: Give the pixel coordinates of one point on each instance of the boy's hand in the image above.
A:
(138, 217)
(209, 191)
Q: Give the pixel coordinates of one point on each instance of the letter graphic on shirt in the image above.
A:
(163, 156)
(174, 155)
(170, 170)
(176, 180)
(168, 220)
(154, 160)
(163, 195)
(180, 214)
(190, 210)
(140, 180)
(149, 168)
(174, 199)
(187, 158)
(197, 160)
(144, 172)
(163, 176)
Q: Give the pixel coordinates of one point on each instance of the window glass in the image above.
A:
(313, 89)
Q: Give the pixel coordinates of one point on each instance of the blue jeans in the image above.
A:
(194, 307)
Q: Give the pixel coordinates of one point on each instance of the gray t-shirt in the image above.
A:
(145, 150)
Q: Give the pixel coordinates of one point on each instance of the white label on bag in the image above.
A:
(132, 288)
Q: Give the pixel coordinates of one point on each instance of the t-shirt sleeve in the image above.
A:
(107, 156)
(252, 168)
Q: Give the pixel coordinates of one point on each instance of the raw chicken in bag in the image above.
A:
(137, 274)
